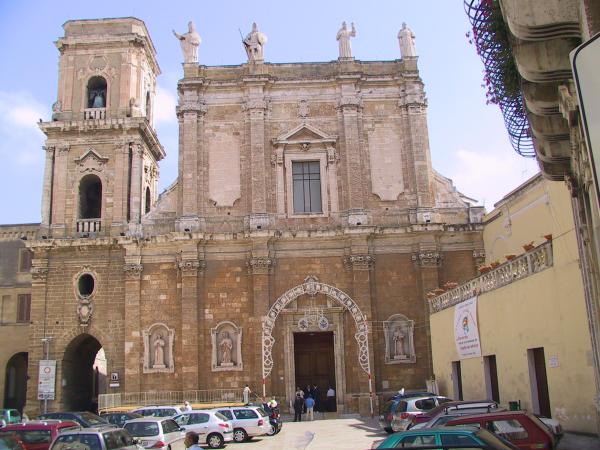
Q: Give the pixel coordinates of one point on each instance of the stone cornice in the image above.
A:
(191, 268)
(428, 258)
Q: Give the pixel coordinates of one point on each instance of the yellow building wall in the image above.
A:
(545, 310)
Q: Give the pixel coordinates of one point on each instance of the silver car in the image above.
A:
(158, 411)
(157, 433)
(95, 439)
(212, 427)
(248, 421)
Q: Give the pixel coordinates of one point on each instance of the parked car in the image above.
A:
(10, 442)
(411, 394)
(95, 439)
(39, 434)
(430, 438)
(8, 416)
(397, 414)
(553, 425)
(119, 418)
(248, 421)
(84, 418)
(433, 416)
(158, 411)
(156, 433)
(213, 428)
(521, 428)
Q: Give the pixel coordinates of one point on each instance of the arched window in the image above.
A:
(90, 197)
(96, 92)
(148, 201)
(148, 107)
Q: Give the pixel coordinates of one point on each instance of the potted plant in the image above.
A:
(484, 269)
(450, 285)
(438, 291)
(548, 237)
(510, 257)
(495, 264)
(529, 246)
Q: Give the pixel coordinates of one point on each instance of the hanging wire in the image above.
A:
(502, 80)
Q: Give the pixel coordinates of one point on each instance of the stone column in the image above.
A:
(190, 267)
(256, 105)
(135, 192)
(47, 187)
(361, 264)
(133, 336)
(277, 161)
(190, 113)
(350, 107)
(59, 219)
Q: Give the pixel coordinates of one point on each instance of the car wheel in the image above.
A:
(272, 431)
(215, 440)
(240, 435)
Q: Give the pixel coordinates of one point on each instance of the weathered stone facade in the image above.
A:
(226, 241)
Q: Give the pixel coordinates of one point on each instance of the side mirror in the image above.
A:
(181, 428)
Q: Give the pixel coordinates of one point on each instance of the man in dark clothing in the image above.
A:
(317, 396)
(298, 405)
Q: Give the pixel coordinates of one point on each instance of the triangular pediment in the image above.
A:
(304, 133)
(91, 154)
(91, 161)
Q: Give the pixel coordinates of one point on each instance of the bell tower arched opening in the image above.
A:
(83, 373)
(96, 92)
(90, 197)
(15, 385)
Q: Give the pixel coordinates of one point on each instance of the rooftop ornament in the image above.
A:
(501, 77)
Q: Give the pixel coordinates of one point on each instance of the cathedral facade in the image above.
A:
(295, 247)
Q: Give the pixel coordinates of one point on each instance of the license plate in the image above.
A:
(145, 443)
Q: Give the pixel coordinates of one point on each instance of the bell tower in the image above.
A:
(102, 151)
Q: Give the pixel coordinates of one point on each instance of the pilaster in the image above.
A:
(47, 187)
(59, 192)
(121, 184)
(135, 201)
(256, 105)
(133, 339)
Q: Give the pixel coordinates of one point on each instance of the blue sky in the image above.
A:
(467, 137)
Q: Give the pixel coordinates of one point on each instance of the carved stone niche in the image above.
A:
(399, 340)
(226, 340)
(158, 349)
(91, 161)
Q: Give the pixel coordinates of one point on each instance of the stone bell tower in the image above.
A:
(102, 151)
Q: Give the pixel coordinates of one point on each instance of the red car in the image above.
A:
(38, 434)
(519, 427)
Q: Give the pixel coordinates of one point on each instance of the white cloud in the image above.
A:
(488, 177)
(164, 106)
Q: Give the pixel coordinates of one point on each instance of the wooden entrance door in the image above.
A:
(314, 362)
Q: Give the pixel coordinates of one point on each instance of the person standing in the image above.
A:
(317, 396)
(298, 404)
(330, 399)
(246, 395)
(310, 404)
(191, 441)
(186, 406)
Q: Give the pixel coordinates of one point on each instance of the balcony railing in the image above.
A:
(94, 113)
(523, 266)
(89, 225)
(214, 396)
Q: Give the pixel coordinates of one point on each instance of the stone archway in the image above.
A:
(312, 287)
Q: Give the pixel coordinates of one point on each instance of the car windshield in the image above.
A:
(92, 419)
(262, 412)
(79, 441)
(34, 436)
(139, 429)
(218, 415)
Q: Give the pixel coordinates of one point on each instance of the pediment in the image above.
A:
(91, 161)
(304, 134)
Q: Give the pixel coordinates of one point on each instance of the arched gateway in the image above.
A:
(312, 287)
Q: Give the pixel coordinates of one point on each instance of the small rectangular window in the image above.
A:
(306, 180)
(24, 260)
(23, 307)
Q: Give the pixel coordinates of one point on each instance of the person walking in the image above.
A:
(298, 404)
(246, 395)
(330, 399)
(310, 404)
(317, 396)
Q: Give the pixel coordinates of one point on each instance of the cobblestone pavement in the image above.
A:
(355, 434)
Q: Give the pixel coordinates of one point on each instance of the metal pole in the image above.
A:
(264, 389)
(47, 352)
(371, 394)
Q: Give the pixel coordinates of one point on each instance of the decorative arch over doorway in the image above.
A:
(312, 286)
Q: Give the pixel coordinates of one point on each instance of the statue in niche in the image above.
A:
(226, 345)
(159, 352)
(399, 344)
(189, 42)
(343, 36)
(254, 44)
(407, 42)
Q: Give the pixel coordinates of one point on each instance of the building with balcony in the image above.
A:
(525, 46)
(533, 341)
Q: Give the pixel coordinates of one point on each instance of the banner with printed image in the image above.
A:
(466, 331)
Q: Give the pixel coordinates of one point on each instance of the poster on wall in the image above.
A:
(466, 332)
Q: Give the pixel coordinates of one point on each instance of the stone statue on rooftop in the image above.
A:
(343, 37)
(406, 39)
(189, 42)
(254, 44)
